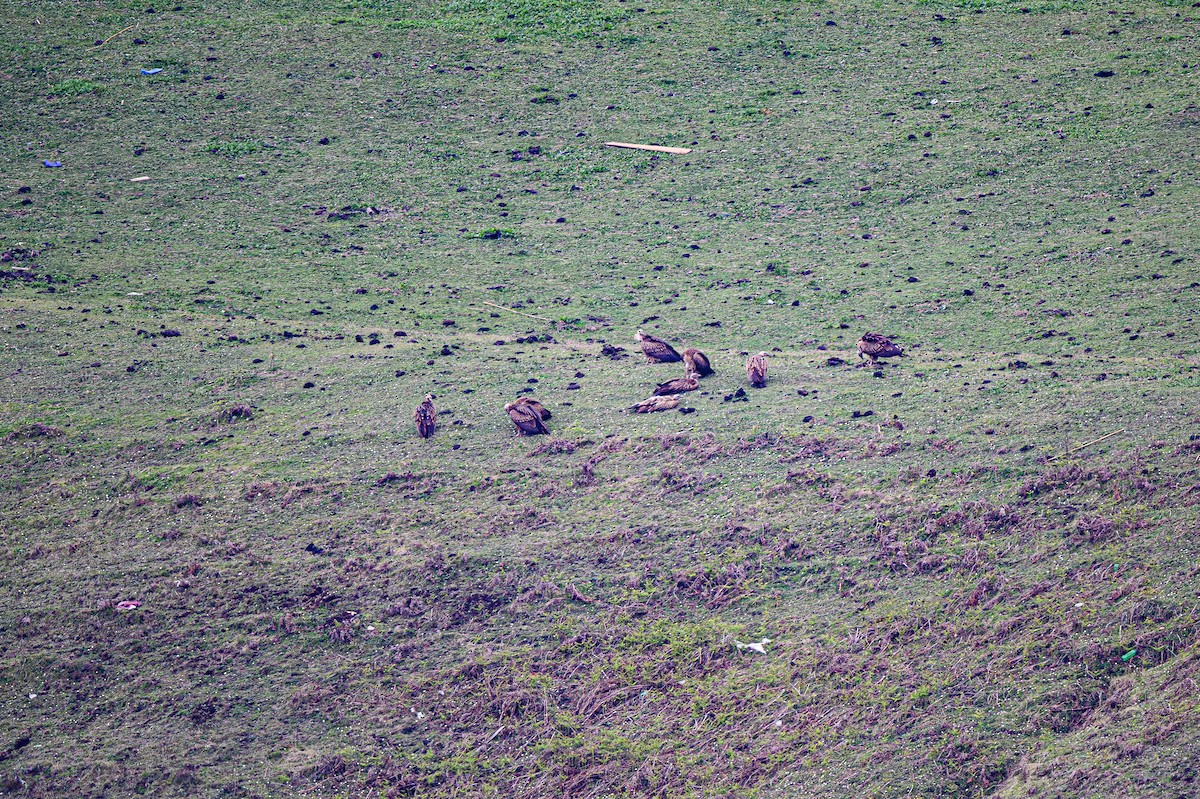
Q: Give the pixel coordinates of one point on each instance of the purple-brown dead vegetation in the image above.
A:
(1093, 529)
(557, 446)
(35, 431)
(409, 484)
(305, 489)
(671, 480)
(260, 490)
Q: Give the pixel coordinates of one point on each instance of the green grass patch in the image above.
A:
(73, 87)
(236, 147)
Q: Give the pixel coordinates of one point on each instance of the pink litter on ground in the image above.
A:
(128, 604)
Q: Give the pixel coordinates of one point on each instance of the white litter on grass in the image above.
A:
(134, 294)
(754, 647)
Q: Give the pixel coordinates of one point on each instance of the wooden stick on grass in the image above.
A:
(115, 35)
(656, 148)
(1093, 441)
(510, 310)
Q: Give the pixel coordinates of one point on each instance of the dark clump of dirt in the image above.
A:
(737, 396)
(33, 431)
(239, 411)
(834, 362)
(19, 274)
(203, 712)
(613, 353)
(18, 254)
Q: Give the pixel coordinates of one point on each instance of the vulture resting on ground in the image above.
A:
(696, 361)
(528, 415)
(426, 417)
(656, 403)
(657, 350)
(876, 346)
(678, 386)
(536, 406)
(756, 370)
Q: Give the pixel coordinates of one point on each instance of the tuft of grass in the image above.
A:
(234, 148)
(495, 233)
(72, 87)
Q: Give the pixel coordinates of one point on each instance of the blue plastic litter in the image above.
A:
(154, 71)
(52, 163)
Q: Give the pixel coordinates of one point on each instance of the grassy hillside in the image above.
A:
(231, 568)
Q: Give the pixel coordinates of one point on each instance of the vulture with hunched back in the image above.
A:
(756, 370)
(536, 406)
(876, 346)
(657, 350)
(527, 414)
(696, 361)
(426, 417)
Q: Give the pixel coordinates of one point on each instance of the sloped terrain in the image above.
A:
(233, 569)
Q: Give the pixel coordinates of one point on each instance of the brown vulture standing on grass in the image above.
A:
(876, 346)
(679, 385)
(536, 406)
(696, 361)
(657, 350)
(756, 370)
(656, 403)
(528, 415)
(426, 417)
